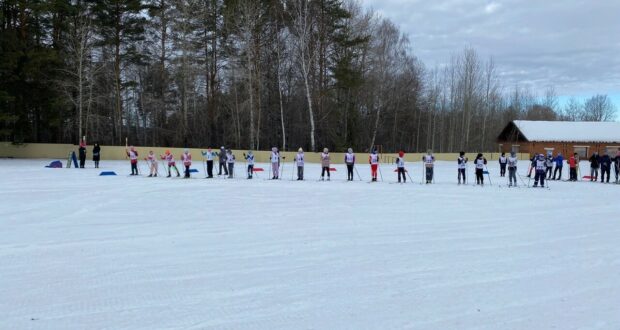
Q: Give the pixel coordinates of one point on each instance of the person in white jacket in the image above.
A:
(299, 163)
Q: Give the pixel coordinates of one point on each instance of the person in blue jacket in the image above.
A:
(605, 167)
(559, 161)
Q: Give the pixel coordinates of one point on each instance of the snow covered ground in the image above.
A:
(80, 251)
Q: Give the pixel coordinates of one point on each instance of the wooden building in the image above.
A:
(567, 137)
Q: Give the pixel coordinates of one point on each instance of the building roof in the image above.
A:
(562, 131)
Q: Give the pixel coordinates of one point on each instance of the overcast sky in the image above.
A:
(573, 45)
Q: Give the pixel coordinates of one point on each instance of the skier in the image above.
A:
(541, 168)
(249, 158)
(133, 159)
(480, 162)
(222, 159)
(605, 162)
(559, 162)
(549, 165)
(373, 160)
(400, 166)
(152, 161)
(594, 165)
(572, 165)
(532, 165)
(82, 152)
(429, 162)
(325, 160)
(171, 163)
(512, 169)
(462, 165)
(275, 163)
(299, 162)
(186, 158)
(502, 164)
(230, 159)
(209, 155)
(349, 159)
(96, 154)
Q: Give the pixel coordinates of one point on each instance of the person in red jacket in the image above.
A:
(572, 164)
(186, 158)
(133, 159)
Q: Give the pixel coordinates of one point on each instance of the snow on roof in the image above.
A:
(569, 131)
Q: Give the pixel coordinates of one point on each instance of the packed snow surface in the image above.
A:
(569, 131)
(81, 251)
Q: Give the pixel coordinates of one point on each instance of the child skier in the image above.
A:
(572, 165)
(299, 162)
(325, 161)
(349, 159)
(275, 163)
(133, 159)
(532, 165)
(230, 159)
(152, 161)
(462, 165)
(249, 158)
(209, 155)
(502, 164)
(373, 160)
(400, 166)
(222, 160)
(429, 162)
(541, 168)
(186, 158)
(512, 169)
(171, 163)
(480, 163)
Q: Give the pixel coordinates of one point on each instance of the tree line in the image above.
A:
(248, 74)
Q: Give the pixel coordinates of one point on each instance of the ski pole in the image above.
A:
(488, 174)
(380, 174)
(282, 168)
(293, 171)
(358, 174)
(204, 167)
(407, 172)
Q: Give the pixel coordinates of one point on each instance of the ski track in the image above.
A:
(79, 251)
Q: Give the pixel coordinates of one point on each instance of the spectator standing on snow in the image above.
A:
(462, 166)
(532, 165)
(299, 163)
(349, 159)
(605, 161)
(572, 165)
(222, 161)
(96, 154)
(541, 168)
(512, 169)
(171, 163)
(152, 161)
(133, 159)
(594, 166)
(275, 163)
(400, 166)
(82, 152)
(209, 155)
(559, 162)
(373, 160)
(230, 159)
(429, 163)
(502, 164)
(186, 158)
(549, 165)
(480, 163)
(325, 162)
(249, 158)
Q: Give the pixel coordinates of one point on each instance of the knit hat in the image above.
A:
(350, 150)
(185, 150)
(325, 150)
(300, 150)
(167, 152)
(401, 153)
(462, 153)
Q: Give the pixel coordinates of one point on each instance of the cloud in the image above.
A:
(570, 44)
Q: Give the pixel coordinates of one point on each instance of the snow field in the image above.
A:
(79, 251)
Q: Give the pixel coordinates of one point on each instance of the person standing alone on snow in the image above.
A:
(559, 162)
(222, 160)
(400, 166)
(373, 160)
(325, 161)
(512, 169)
(502, 164)
(186, 158)
(96, 154)
(230, 159)
(82, 152)
(249, 158)
(349, 159)
(462, 165)
(209, 155)
(594, 165)
(171, 163)
(133, 160)
(299, 163)
(480, 163)
(429, 163)
(541, 171)
(275, 163)
(152, 161)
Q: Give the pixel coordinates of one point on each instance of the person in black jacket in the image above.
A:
(617, 164)
(82, 152)
(222, 157)
(605, 162)
(594, 165)
(96, 154)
